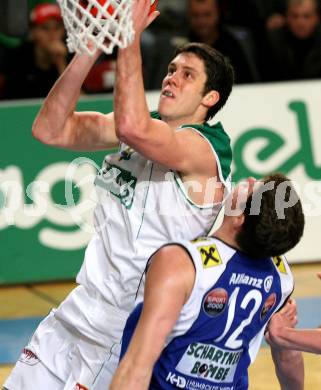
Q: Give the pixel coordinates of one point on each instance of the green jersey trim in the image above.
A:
(155, 115)
(219, 141)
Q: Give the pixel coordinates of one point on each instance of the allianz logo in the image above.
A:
(246, 279)
(251, 281)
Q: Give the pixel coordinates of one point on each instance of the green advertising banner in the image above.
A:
(47, 195)
(38, 242)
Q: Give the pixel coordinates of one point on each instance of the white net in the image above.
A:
(97, 24)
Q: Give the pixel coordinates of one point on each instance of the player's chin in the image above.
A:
(166, 108)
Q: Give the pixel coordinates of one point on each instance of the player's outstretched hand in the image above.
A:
(285, 318)
(142, 17)
(289, 313)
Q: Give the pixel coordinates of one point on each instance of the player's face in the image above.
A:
(182, 89)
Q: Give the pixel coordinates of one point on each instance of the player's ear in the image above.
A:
(211, 98)
(238, 221)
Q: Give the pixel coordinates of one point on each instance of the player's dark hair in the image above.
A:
(219, 71)
(273, 230)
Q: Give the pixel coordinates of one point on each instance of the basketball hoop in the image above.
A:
(97, 24)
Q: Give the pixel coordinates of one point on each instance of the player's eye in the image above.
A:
(170, 71)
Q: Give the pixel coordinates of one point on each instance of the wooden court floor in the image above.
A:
(37, 300)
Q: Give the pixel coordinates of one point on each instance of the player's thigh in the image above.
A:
(32, 377)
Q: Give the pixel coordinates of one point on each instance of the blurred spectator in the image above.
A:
(205, 24)
(257, 16)
(254, 14)
(32, 68)
(294, 50)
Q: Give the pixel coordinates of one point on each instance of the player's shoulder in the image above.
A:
(173, 248)
(282, 267)
(208, 252)
(285, 276)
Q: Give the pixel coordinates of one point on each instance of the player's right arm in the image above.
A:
(58, 124)
(168, 286)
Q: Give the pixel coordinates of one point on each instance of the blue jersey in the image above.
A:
(221, 326)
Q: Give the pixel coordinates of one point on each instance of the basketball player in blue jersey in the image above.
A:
(208, 301)
(145, 198)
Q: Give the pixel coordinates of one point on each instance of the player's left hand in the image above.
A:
(289, 313)
(285, 318)
(141, 15)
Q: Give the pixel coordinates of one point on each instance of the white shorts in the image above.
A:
(65, 361)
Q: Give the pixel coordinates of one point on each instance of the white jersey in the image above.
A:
(143, 205)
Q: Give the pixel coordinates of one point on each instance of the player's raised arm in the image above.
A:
(182, 101)
(168, 286)
(59, 125)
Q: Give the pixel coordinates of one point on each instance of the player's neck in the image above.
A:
(175, 123)
(227, 235)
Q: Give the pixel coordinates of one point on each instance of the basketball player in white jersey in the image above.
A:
(208, 301)
(145, 199)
